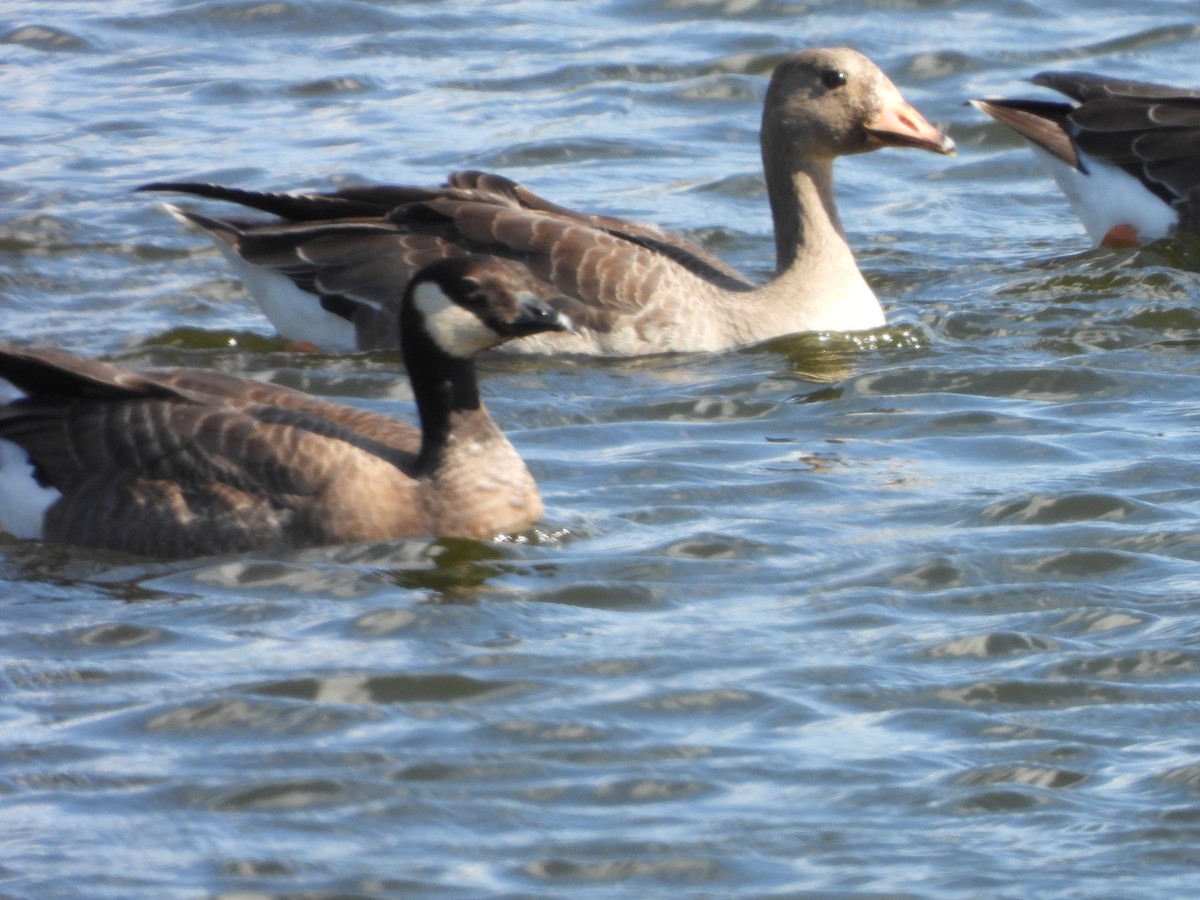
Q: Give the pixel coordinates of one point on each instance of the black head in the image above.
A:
(468, 304)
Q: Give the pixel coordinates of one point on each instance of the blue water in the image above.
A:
(913, 613)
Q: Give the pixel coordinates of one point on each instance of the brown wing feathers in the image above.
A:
(361, 263)
(180, 462)
(137, 456)
(1151, 130)
(476, 212)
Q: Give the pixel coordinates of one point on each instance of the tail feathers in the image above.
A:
(216, 229)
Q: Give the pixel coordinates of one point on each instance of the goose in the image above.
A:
(322, 270)
(1125, 153)
(177, 463)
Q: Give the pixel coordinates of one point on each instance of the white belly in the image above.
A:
(23, 502)
(1108, 196)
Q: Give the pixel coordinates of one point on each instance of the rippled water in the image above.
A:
(912, 614)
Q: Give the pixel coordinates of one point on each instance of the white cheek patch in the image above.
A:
(456, 330)
(23, 502)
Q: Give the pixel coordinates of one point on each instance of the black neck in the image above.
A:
(442, 385)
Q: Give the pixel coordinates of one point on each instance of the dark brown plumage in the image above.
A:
(1150, 132)
(186, 462)
(320, 272)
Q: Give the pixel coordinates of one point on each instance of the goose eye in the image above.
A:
(833, 78)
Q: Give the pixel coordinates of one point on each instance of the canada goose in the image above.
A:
(322, 274)
(1126, 153)
(188, 462)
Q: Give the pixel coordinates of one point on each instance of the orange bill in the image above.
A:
(899, 125)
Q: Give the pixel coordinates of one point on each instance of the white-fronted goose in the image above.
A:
(1126, 153)
(186, 462)
(322, 273)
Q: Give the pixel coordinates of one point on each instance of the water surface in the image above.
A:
(910, 614)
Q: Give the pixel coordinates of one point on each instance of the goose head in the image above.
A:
(833, 102)
(465, 305)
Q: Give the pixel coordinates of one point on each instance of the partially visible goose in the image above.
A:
(187, 462)
(323, 274)
(1126, 153)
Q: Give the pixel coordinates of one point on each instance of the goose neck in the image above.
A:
(444, 388)
(805, 214)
